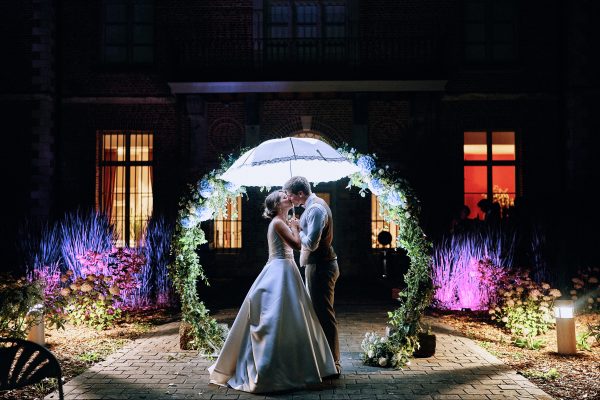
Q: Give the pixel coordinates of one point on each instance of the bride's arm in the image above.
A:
(290, 236)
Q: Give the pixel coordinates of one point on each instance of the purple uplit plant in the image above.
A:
(467, 267)
(39, 246)
(538, 259)
(157, 247)
(154, 286)
(48, 275)
(141, 295)
(118, 267)
(82, 233)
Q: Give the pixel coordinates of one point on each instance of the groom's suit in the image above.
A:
(322, 270)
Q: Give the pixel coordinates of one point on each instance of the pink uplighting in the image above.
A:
(466, 272)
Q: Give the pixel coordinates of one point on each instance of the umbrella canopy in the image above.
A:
(275, 161)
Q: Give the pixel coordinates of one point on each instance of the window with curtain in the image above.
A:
(489, 169)
(125, 163)
(490, 31)
(379, 224)
(305, 30)
(128, 32)
(227, 228)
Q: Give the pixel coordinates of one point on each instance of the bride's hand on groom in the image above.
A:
(294, 224)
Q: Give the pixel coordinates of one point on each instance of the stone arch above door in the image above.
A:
(308, 126)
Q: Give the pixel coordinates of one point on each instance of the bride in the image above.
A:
(276, 342)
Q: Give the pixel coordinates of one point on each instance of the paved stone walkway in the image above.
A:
(155, 368)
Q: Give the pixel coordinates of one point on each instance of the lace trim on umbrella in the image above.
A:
(290, 158)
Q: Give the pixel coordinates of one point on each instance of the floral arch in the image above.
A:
(399, 205)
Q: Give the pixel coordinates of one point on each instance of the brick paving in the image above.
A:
(154, 367)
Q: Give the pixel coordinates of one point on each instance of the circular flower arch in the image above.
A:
(398, 204)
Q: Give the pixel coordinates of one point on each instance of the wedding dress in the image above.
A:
(276, 342)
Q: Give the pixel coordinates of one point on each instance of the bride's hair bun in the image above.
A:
(271, 203)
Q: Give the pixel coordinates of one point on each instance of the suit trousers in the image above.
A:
(320, 282)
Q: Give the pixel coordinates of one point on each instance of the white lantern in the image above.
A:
(565, 327)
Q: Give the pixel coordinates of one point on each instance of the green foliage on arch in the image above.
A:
(399, 205)
(202, 202)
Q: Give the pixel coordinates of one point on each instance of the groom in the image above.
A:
(318, 257)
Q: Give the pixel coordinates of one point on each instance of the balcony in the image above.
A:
(247, 59)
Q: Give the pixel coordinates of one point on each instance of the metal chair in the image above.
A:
(24, 363)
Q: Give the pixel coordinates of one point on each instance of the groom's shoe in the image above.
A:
(338, 367)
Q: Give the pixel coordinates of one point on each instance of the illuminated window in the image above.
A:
(124, 182)
(489, 30)
(128, 32)
(379, 224)
(489, 169)
(227, 229)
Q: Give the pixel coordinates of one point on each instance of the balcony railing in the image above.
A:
(313, 58)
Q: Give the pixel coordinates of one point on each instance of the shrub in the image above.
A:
(18, 301)
(525, 308)
(96, 298)
(91, 301)
(49, 278)
(586, 290)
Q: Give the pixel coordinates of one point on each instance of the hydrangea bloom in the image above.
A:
(204, 213)
(394, 199)
(366, 164)
(188, 222)
(231, 187)
(205, 188)
(376, 187)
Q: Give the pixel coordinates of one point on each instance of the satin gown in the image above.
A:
(276, 342)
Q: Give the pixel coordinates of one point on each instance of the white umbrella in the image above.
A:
(274, 161)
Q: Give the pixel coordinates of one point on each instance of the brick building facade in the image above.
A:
(402, 79)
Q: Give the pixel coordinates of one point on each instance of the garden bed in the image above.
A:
(562, 377)
(79, 347)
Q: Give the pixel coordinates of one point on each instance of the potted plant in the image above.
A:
(426, 344)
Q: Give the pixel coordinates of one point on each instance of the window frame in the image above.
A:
(380, 220)
(489, 162)
(130, 43)
(126, 164)
(293, 23)
(238, 222)
(305, 49)
(488, 41)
